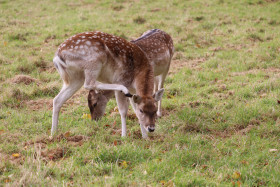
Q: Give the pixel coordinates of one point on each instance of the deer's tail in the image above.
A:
(61, 68)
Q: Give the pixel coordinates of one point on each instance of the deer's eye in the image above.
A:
(94, 105)
(141, 111)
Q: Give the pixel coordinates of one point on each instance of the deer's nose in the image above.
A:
(151, 129)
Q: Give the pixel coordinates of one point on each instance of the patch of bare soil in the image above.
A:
(192, 128)
(245, 130)
(25, 79)
(176, 64)
(55, 154)
(240, 129)
(227, 133)
(39, 104)
(45, 153)
(48, 103)
(72, 140)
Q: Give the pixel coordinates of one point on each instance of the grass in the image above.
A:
(221, 106)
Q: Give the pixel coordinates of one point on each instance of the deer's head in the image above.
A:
(97, 102)
(146, 109)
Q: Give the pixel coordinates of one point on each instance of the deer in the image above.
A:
(158, 46)
(101, 61)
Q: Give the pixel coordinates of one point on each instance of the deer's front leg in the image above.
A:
(116, 87)
(123, 104)
(91, 83)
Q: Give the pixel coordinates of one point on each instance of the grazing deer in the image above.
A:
(101, 61)
(159, 49)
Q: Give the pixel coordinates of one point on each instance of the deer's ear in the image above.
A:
(136, 99)
(158, 95)
(92, 95)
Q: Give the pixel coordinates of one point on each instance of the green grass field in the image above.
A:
(221, 123)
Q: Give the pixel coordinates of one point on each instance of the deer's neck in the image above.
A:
(144, 82)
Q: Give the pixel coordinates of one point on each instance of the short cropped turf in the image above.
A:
(221, 106)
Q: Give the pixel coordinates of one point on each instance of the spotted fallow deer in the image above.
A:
(159, 49)
(101, 61)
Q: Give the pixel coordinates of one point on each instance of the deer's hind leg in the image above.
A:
(67, 91)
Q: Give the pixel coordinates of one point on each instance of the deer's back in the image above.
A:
(158, 47)
(119, 58)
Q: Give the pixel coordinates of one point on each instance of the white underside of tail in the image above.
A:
(61, 68)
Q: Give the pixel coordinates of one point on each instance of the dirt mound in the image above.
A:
(55, 154)
(48, 103)
(39, 104)
(25, 79)
(72, 140)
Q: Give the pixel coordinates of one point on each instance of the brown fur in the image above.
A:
(134, 62)
(101, 61)
(97, 103)
(154, 43)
